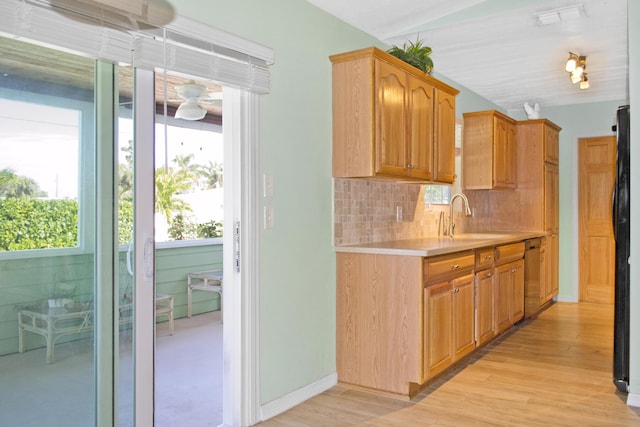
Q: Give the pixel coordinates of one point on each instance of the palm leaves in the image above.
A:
(414, 54)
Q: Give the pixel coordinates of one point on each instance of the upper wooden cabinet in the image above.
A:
(489, 147)
(551, 142)
(391, 120)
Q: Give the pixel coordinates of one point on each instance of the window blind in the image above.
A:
(182, 45)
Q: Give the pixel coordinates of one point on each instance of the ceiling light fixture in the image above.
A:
(577, 68)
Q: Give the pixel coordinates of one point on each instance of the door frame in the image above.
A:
(241, 385)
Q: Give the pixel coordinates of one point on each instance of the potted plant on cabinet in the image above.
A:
(415, 54)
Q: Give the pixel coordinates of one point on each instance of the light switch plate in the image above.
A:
(268, 189)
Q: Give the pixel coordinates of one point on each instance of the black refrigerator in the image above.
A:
(621, 231)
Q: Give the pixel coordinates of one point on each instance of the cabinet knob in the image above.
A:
(455, 266)
(487, 257)
(488, 275)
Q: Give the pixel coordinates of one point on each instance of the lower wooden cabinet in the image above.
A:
(464, 337)
(485, 306)
(401, 320)
(509, 296)
(551, 267)
(449, 323)
(438, 315)
(379, 324)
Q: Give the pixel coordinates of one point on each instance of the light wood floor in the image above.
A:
(554, 370)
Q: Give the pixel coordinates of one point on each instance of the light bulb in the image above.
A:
(584, 83)
(571, 64)
(575, 78)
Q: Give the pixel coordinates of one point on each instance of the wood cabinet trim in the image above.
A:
(374, 52)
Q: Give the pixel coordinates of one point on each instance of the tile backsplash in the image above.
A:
(367, 211)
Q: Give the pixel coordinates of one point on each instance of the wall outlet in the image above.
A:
(398, 213)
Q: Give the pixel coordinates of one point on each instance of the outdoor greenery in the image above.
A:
(181, 177)
(29, 222)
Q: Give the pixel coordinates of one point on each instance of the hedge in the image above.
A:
(29, 223)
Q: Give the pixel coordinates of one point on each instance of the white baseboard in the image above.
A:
(633, 399)
(284, 403)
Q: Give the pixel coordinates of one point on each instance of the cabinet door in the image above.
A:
(551, 198)
(445, 136)
(552, 251)
(463, 316)
(485, 325)
(503, 296)
(511, 158)
(544, 283)
(420, 111)
(551, 145)
(438, 351)
(516, 310)
(391, 120)
(551, 213)
(504, 154)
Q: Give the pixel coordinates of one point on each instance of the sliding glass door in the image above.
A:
(76, 240)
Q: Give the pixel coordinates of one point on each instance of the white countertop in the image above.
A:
(430, 246)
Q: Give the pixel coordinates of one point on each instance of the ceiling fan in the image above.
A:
(193, 94)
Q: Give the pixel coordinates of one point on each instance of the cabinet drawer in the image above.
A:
(510, 252)
(448, 266)
(484, 258)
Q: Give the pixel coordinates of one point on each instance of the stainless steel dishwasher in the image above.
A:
(531, 277)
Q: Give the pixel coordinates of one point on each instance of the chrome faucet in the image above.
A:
(467, 211)
(442, 228)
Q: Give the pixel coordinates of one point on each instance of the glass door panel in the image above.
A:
(47, 236)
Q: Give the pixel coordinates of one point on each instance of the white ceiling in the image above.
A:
(496, 48)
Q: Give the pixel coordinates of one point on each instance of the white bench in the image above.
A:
(210, 280)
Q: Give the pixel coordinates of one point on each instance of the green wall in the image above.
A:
(297, 277)
(297, 260)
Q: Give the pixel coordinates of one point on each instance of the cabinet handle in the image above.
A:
(455, 266)
(513, 270)
(487, 257)
(410, 166)
(488, 275)
(455, 290)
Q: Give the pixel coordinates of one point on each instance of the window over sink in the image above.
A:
(437, 194)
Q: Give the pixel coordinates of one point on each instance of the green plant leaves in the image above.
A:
(415, 54)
